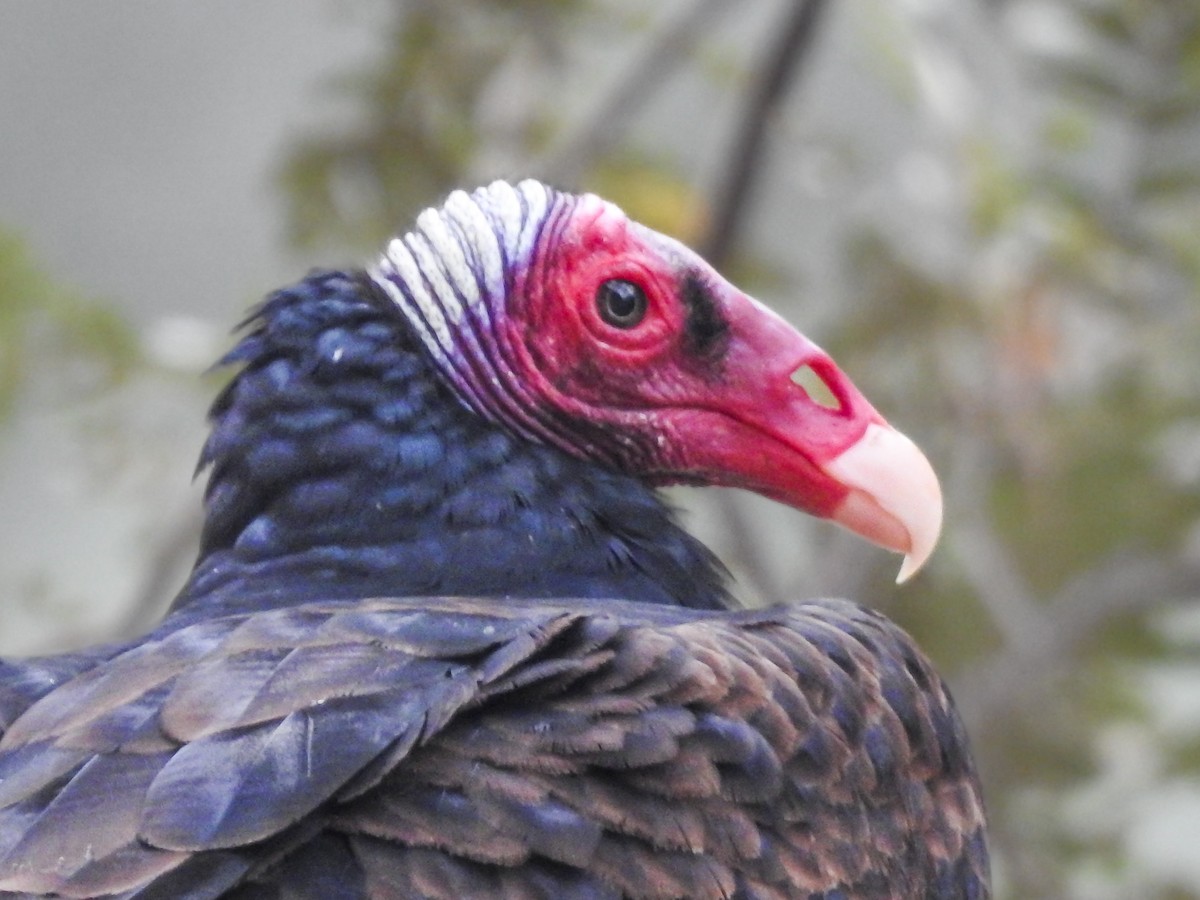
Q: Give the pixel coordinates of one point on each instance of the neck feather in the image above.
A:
(342, 464)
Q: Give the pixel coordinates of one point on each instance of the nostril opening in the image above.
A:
(817, 388)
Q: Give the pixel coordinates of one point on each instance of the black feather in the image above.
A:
(401, 669)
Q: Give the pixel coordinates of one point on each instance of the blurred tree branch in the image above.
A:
(782, 63)
(600, 132)
(1124, 584)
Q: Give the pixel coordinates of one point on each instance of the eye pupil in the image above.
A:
(621, 303)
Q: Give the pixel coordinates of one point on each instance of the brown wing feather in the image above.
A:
(788, 753)
(450, 747)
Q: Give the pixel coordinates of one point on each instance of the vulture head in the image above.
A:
(557, 316)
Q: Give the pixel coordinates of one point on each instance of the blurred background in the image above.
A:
(987, 210)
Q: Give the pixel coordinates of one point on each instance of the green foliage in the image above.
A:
(422, 124)
(651, 192)
(41, 320)
(425, 125)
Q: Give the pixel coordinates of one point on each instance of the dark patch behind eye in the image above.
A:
(706, 332)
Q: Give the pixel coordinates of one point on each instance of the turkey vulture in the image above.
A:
(444, 640)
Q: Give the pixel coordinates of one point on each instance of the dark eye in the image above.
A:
(621, 303)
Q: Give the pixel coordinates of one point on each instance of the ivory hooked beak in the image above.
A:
(894, 499)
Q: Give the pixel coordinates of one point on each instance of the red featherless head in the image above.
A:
(561, 318)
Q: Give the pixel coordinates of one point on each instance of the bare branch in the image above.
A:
(767, 91)
(603, 128)
(982, 556)
(996, 579)
(1122, 585)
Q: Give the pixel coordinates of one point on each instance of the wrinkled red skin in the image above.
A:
(642, 398)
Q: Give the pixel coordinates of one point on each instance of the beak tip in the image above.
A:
(924, 525)
(910, 566)
(894, 499)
